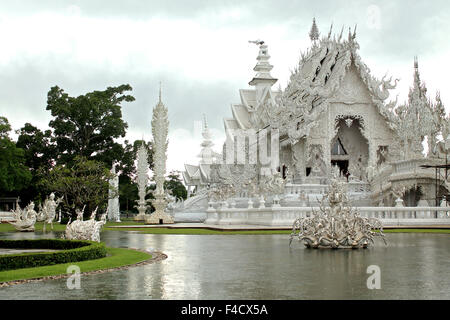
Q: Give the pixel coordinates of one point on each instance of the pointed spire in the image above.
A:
(206, 154)
(160, 91)
(340, 35)
(314, 33)
(329, 33)
(417, 83)
(205, 123)
(263, 67)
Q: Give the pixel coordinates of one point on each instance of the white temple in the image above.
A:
(333, 112)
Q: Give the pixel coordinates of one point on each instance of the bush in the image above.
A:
(71, 251)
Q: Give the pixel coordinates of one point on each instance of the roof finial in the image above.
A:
(331, 28)
(205, 123)
(314, 33)
(160, 91)
(340, 35)
(416, 63)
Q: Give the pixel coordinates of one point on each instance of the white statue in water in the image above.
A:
(85, 230)
(47, 213)
(337, 224)
(25, 219)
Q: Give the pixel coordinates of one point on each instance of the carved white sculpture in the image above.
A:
(160, 130)
(47, 212)
(337, 225)
(113, 201)
(142, 181)
(24, 219)
(85, 230)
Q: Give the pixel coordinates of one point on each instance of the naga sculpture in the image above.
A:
(337, 225)
(24, 219)
(85, 230)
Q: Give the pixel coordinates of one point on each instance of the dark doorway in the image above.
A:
(160, 221)
(343, 166)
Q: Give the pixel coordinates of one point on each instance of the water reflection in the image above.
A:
(413, 266)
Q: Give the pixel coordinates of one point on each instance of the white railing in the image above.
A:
(285, 216)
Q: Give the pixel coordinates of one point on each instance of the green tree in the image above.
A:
(88, 125)
(39, 155)
(174, 184)
(39, 150)
(83, 183)
(127, 187)
(14, 175)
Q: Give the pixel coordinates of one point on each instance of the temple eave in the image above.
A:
(255, 81)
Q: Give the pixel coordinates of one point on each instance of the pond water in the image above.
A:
(413, 266)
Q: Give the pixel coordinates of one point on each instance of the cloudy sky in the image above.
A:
(199, 50)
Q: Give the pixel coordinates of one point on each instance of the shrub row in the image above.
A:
(70, 251)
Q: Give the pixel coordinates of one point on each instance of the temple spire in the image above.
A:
(160, 91)
(206, 155)
(417, 83)
(262, 68)
(314, 33)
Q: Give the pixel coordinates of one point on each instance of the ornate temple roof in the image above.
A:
(318, 79)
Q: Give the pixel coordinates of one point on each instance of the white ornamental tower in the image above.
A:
(160, 130)
(142, 180)
(113, 201)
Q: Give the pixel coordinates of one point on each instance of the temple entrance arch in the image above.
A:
(349, 147)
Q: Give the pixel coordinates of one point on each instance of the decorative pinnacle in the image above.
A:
(205, 123)
(160, 91)
(314, 33)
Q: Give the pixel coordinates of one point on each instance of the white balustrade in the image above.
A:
(284, 216)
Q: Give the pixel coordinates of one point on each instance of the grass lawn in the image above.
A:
(118, 257)
(62, 227)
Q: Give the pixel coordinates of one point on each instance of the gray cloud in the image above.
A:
(406, 29)
(25, 86)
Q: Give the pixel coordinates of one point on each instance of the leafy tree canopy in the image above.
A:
(39, 151)
(174, 184)
(88, 124)
(14, 175)
(83, 183)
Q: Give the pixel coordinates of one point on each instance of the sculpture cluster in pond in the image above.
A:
(24, 219)
(336, 224)
(85, 230)
(27, 217)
